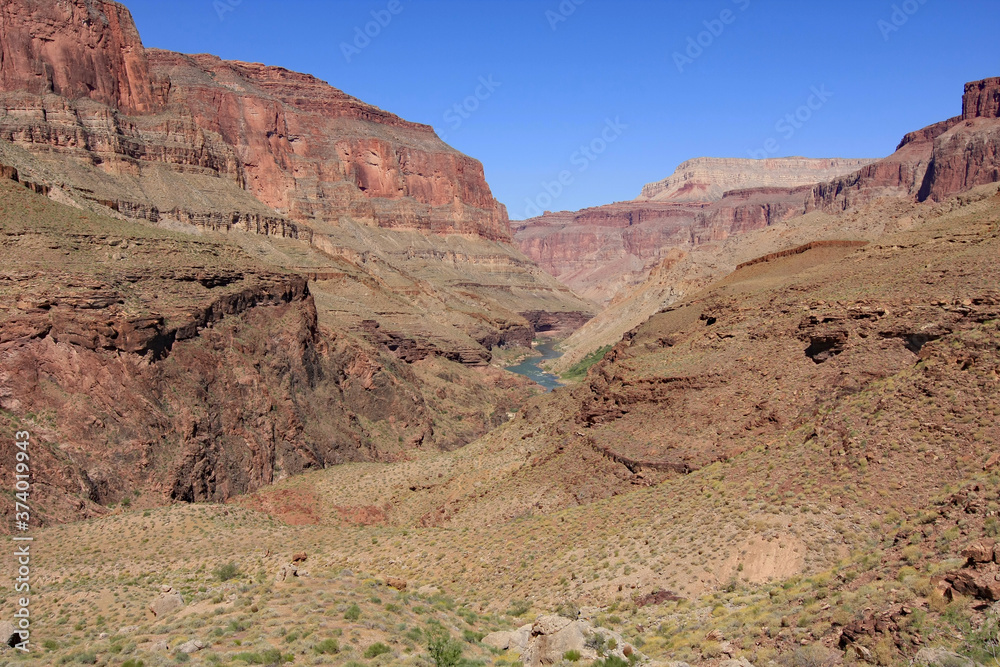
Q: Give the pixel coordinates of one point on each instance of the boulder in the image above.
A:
(980, 551)
(286, 571)
(552, 637)
(192, 646)
(398, 584)
(736, 662)
(300, 557)
(939, 657)
(9, 634)
(519, 639)
(166, 604)
(498, 640)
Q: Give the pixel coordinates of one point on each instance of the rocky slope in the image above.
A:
(930, 164)
(154, 366)
(227, 273)
(791, 465)
(706, 179)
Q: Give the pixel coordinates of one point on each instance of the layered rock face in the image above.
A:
(600, 251)
(76, 49)
(301, 147)
(603, 252)
(173, 367)
(201, 144)
(707, 179)
(932, 163)
(313, 152)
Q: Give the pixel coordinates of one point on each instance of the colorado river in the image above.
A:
(531, 367)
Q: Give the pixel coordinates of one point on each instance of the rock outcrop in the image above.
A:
(707, 179)
(76, 82)
(77, 49)
(197, 144)
(550, 637)
(935, 162)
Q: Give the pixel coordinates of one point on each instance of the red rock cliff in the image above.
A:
(982, 99)
(75, 48)
(300, 146)
(932, 163)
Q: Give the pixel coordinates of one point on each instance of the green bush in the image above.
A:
(376, 649)
(611, 661)
(271, 656)
(327, 646)
(353, 612)
(226, 572)
(578, 371)
(444, 651)
(572, 656)
(519, 608)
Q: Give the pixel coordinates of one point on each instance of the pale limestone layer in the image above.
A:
(706, 179)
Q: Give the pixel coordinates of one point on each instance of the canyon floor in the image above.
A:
(827, 474)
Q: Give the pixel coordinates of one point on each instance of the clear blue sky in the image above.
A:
(883, 68)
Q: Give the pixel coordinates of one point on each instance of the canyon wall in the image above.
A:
(706, 179)
(76, 82)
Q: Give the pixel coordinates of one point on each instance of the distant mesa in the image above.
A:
(707, 179)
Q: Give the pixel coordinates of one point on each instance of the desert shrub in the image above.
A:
(376, 649)
(270, 657)
(444, 651)
(596, 642)
(226, 571)
(353, 612)
(327, 646)
(572, 656)
(519, 608)
(611, 661)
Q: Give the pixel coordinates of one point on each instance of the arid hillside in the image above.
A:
(793, 464)
(928, 165)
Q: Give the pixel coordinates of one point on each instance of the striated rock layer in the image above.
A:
(77, 83)
(929, 165)
(699, 204)
(706, 179)
(204, 145)
(173, 367)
